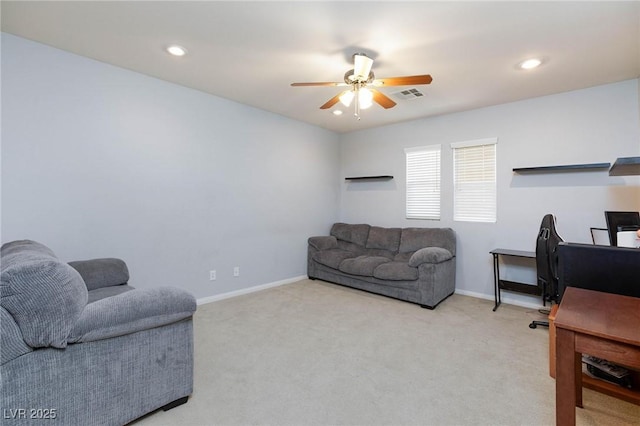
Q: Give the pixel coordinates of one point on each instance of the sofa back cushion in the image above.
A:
(413, 239)
(44, 296)
(384, 238)
(356, 234)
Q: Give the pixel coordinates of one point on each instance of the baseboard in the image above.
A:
(505, 299)
(210, 299)
(228, 295)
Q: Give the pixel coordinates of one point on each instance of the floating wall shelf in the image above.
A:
(626, 166)
(564, 168)
(381, 177)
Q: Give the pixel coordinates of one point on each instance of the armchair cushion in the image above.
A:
(12, 344)
(101, 293)
(132, 311)
(44, 295)
(98, 273)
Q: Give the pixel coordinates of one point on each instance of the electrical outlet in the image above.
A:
(212, 275)
(236, 271)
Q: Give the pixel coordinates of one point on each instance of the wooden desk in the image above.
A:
(600, 324)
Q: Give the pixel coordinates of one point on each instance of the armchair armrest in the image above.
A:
(323, 243)
(98, 273)
(430, 255)
(133, 311)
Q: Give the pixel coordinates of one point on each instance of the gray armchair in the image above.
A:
(81, 346)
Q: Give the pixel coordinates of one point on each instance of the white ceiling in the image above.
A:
(250, 52)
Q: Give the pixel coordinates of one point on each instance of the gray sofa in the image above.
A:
(82, 347)
(413, 264)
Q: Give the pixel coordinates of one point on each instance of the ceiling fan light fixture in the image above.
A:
(347, 97)
(361, 66)
(365, 98)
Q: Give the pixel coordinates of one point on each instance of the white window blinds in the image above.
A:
(474, 180)
(423, 182)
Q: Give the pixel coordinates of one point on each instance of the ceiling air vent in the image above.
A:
(408, 94)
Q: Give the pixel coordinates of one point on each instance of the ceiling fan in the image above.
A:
(360, 79)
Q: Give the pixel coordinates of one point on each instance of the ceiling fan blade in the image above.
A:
(403, 81)
(331, 102)
(326, 83)
(382, 99)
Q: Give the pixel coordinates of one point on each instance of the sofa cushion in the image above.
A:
(332, 257)
(378, 252)
(413, 239)
(396, 271)
(323, 242)
(356, 234)
(355, 249)
(430, 255)
(44, 295)
(98, 273)
(384, 238)
(403, 257)
(362, 265)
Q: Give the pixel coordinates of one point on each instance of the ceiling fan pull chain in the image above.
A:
(357, 96)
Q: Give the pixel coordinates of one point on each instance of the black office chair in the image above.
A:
(547, 262)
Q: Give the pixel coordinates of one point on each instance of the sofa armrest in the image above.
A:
(430, 255)
(98, 273)
(323, 243)
(133, 311)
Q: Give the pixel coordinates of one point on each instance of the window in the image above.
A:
(474, 180)
(423, 182)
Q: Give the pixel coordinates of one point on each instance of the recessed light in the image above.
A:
(176, 50)
(337, 112)
(530, 64)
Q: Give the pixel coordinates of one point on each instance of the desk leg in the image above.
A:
(567, 380)
(496, 282)
(577, 364)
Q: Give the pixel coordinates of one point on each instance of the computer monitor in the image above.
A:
(621, 221)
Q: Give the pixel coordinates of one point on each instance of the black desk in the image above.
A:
(511, 285)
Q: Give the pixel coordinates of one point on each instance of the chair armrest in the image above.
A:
(98, 273)
(430, 255)
(323, 243)
(133, 311)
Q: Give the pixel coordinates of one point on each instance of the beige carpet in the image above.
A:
(313, 353)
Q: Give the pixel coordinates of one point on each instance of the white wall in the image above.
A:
(586, 126)
(98, 161)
